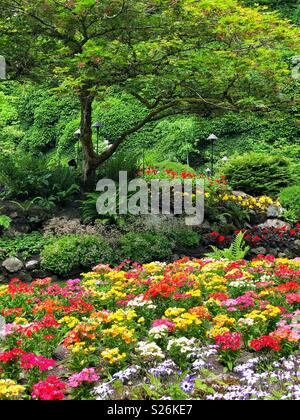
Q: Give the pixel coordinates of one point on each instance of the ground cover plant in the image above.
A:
(157, 331)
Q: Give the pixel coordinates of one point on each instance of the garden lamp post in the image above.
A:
(212, 138)
(97, 126)
(77, 134)
(208, 172)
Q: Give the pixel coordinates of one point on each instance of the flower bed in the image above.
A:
(271, 240)
(156, 331)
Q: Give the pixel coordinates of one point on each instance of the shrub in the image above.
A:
(5, 222)
(174, 166)
(258, 174)
(185, 237)
(290, 199)
(24, 176)
(23, 246)
(122, 161)
(145, 247)
(237, 250)
(67, 253)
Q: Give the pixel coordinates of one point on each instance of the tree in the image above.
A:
(175, 56)
(288, 8)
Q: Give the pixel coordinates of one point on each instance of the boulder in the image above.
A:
(32, 264)
(260, 250)
(12, 264)
(297, 244)
(239, 194)
(61, 353)
(275, 224)
(274, 211)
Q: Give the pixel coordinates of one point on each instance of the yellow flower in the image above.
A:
(141, 320)
(3, 290)
(217, 331)
(221, 320)
(266, 293)
(271, 311)
(256, 315)
(195, 293)
(70, 321)
(186, 320)
(77, 347)
(122, 315)
(21, 321)
(113, 355)
(173, 312)
(9, 389)
(117, 330)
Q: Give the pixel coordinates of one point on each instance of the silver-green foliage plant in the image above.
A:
(237, 251)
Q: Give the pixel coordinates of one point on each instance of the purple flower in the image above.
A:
(187, 385)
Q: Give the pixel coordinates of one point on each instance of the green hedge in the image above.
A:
(65, 254)
(290, 199)
(259, 174)
(145, 247)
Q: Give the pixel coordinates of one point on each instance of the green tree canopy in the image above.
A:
(174, 56)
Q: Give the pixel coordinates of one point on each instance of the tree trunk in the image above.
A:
(86, 138)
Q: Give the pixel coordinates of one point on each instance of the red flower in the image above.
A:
(161, 289)
(7, 356)
(229, 340)
(265, 341)
(214, 234)
(218, 296)
(49, 390)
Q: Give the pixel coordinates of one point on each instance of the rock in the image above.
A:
(239, 194)
(281, 255)
(2, 251)
(32, 264)
(273, 251)
(259, 250)
(205, 225)
(12, 264)
(244, 358)
(297, 243)
(61, 353)
(274, 211)
(275, 224)
(25, 277)
(14, 215)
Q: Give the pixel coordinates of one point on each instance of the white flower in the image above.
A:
(148, 350)
(159, 331)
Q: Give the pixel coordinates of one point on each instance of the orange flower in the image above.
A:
(200, 312)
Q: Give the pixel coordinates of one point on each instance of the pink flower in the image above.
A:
(164, 321)
(293, 298)
(31, 360)
(86, 375)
